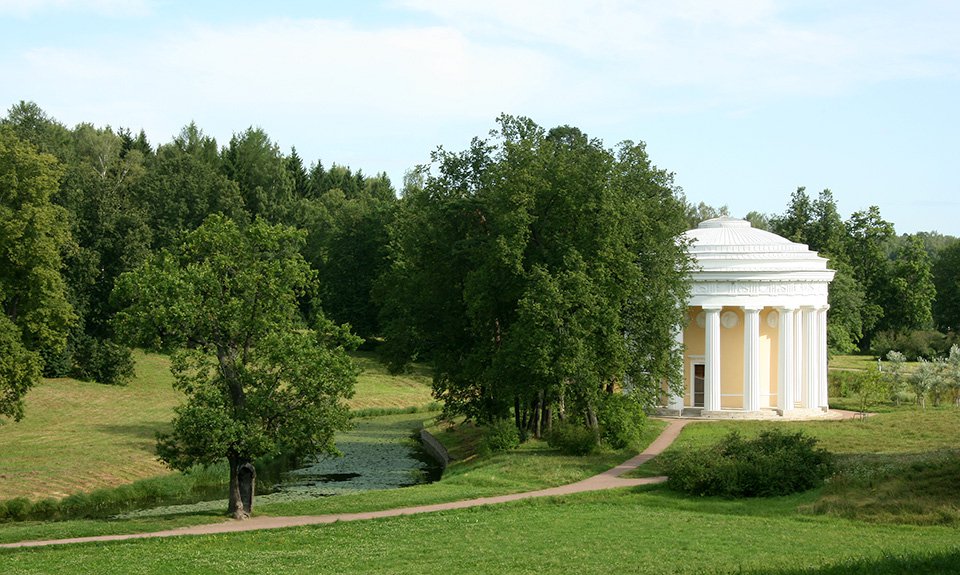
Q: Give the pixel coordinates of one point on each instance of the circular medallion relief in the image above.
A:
(773, 319)
(701, 319)
(729, 319)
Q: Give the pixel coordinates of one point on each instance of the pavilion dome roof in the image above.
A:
(733, 248)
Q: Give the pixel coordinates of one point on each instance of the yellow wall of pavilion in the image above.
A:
(731, 361)
(731, 358)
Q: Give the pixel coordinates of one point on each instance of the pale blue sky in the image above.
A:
(744, 100)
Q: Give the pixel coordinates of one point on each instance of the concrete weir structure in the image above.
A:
(755, 344)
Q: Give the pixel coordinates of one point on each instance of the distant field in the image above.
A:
(862, 363)
(377, 388)
(856, 362)
(79, 436)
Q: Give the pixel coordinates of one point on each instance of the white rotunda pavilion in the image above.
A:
(755, 344)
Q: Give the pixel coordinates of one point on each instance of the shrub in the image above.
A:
(839, 382)
(913, 344)
(621, 421)
(45, 510)
(75, 506)
(17, 509)
(572, 439)
(103, 361)
(867, 387)
(59, 362)
(924, 379)
(896, 382)
(774, 463)
(501, 435)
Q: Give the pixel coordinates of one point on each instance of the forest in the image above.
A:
(536, 271)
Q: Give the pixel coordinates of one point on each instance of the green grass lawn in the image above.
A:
(80, 436)
(627, 531)
(863, 363)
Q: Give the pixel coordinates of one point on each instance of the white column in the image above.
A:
(675, 402)
(797, 356)
(711, 383)
(786, 361)
(751, 358)
(822, 373)
(811, 359)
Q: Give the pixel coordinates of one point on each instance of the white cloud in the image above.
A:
(738, 48)
(326, 81)
(329, 64)
(110, 8)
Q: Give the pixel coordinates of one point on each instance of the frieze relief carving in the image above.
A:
(756, 288)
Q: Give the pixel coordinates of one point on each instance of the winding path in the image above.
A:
(610, 479)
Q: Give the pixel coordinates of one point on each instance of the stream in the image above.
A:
(378, 453)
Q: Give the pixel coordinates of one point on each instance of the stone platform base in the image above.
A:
(764, 414)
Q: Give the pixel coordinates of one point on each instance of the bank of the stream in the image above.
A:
(377, 453)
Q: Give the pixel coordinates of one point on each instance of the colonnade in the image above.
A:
(802, 358)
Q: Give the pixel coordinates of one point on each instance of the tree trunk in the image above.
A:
(516, 412)
(529, 413)
(235, 503)
(546, 420)
(592, 419)
(538, 415)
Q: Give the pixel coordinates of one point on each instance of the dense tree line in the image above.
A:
(889, 290)
(120, 200)
(36, 314)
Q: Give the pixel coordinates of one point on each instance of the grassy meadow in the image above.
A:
(80, 436)
(894, 507)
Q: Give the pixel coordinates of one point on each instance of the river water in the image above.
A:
(378, 453)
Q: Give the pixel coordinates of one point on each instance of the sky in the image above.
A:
(743, 100)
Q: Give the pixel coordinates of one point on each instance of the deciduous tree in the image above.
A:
(539, 271)
(36, 314)
(946, 278)
(257, 379)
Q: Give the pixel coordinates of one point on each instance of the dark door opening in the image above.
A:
(699, 371)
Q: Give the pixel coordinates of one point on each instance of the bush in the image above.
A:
(45, 510)
(502, 435)
(103, 361)
(621, 421)
(839, 382)
(774, 463)
(16, 509)
(572, 439)
(59, 362)
(75, 506)
(867, 387)
(913, 344)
